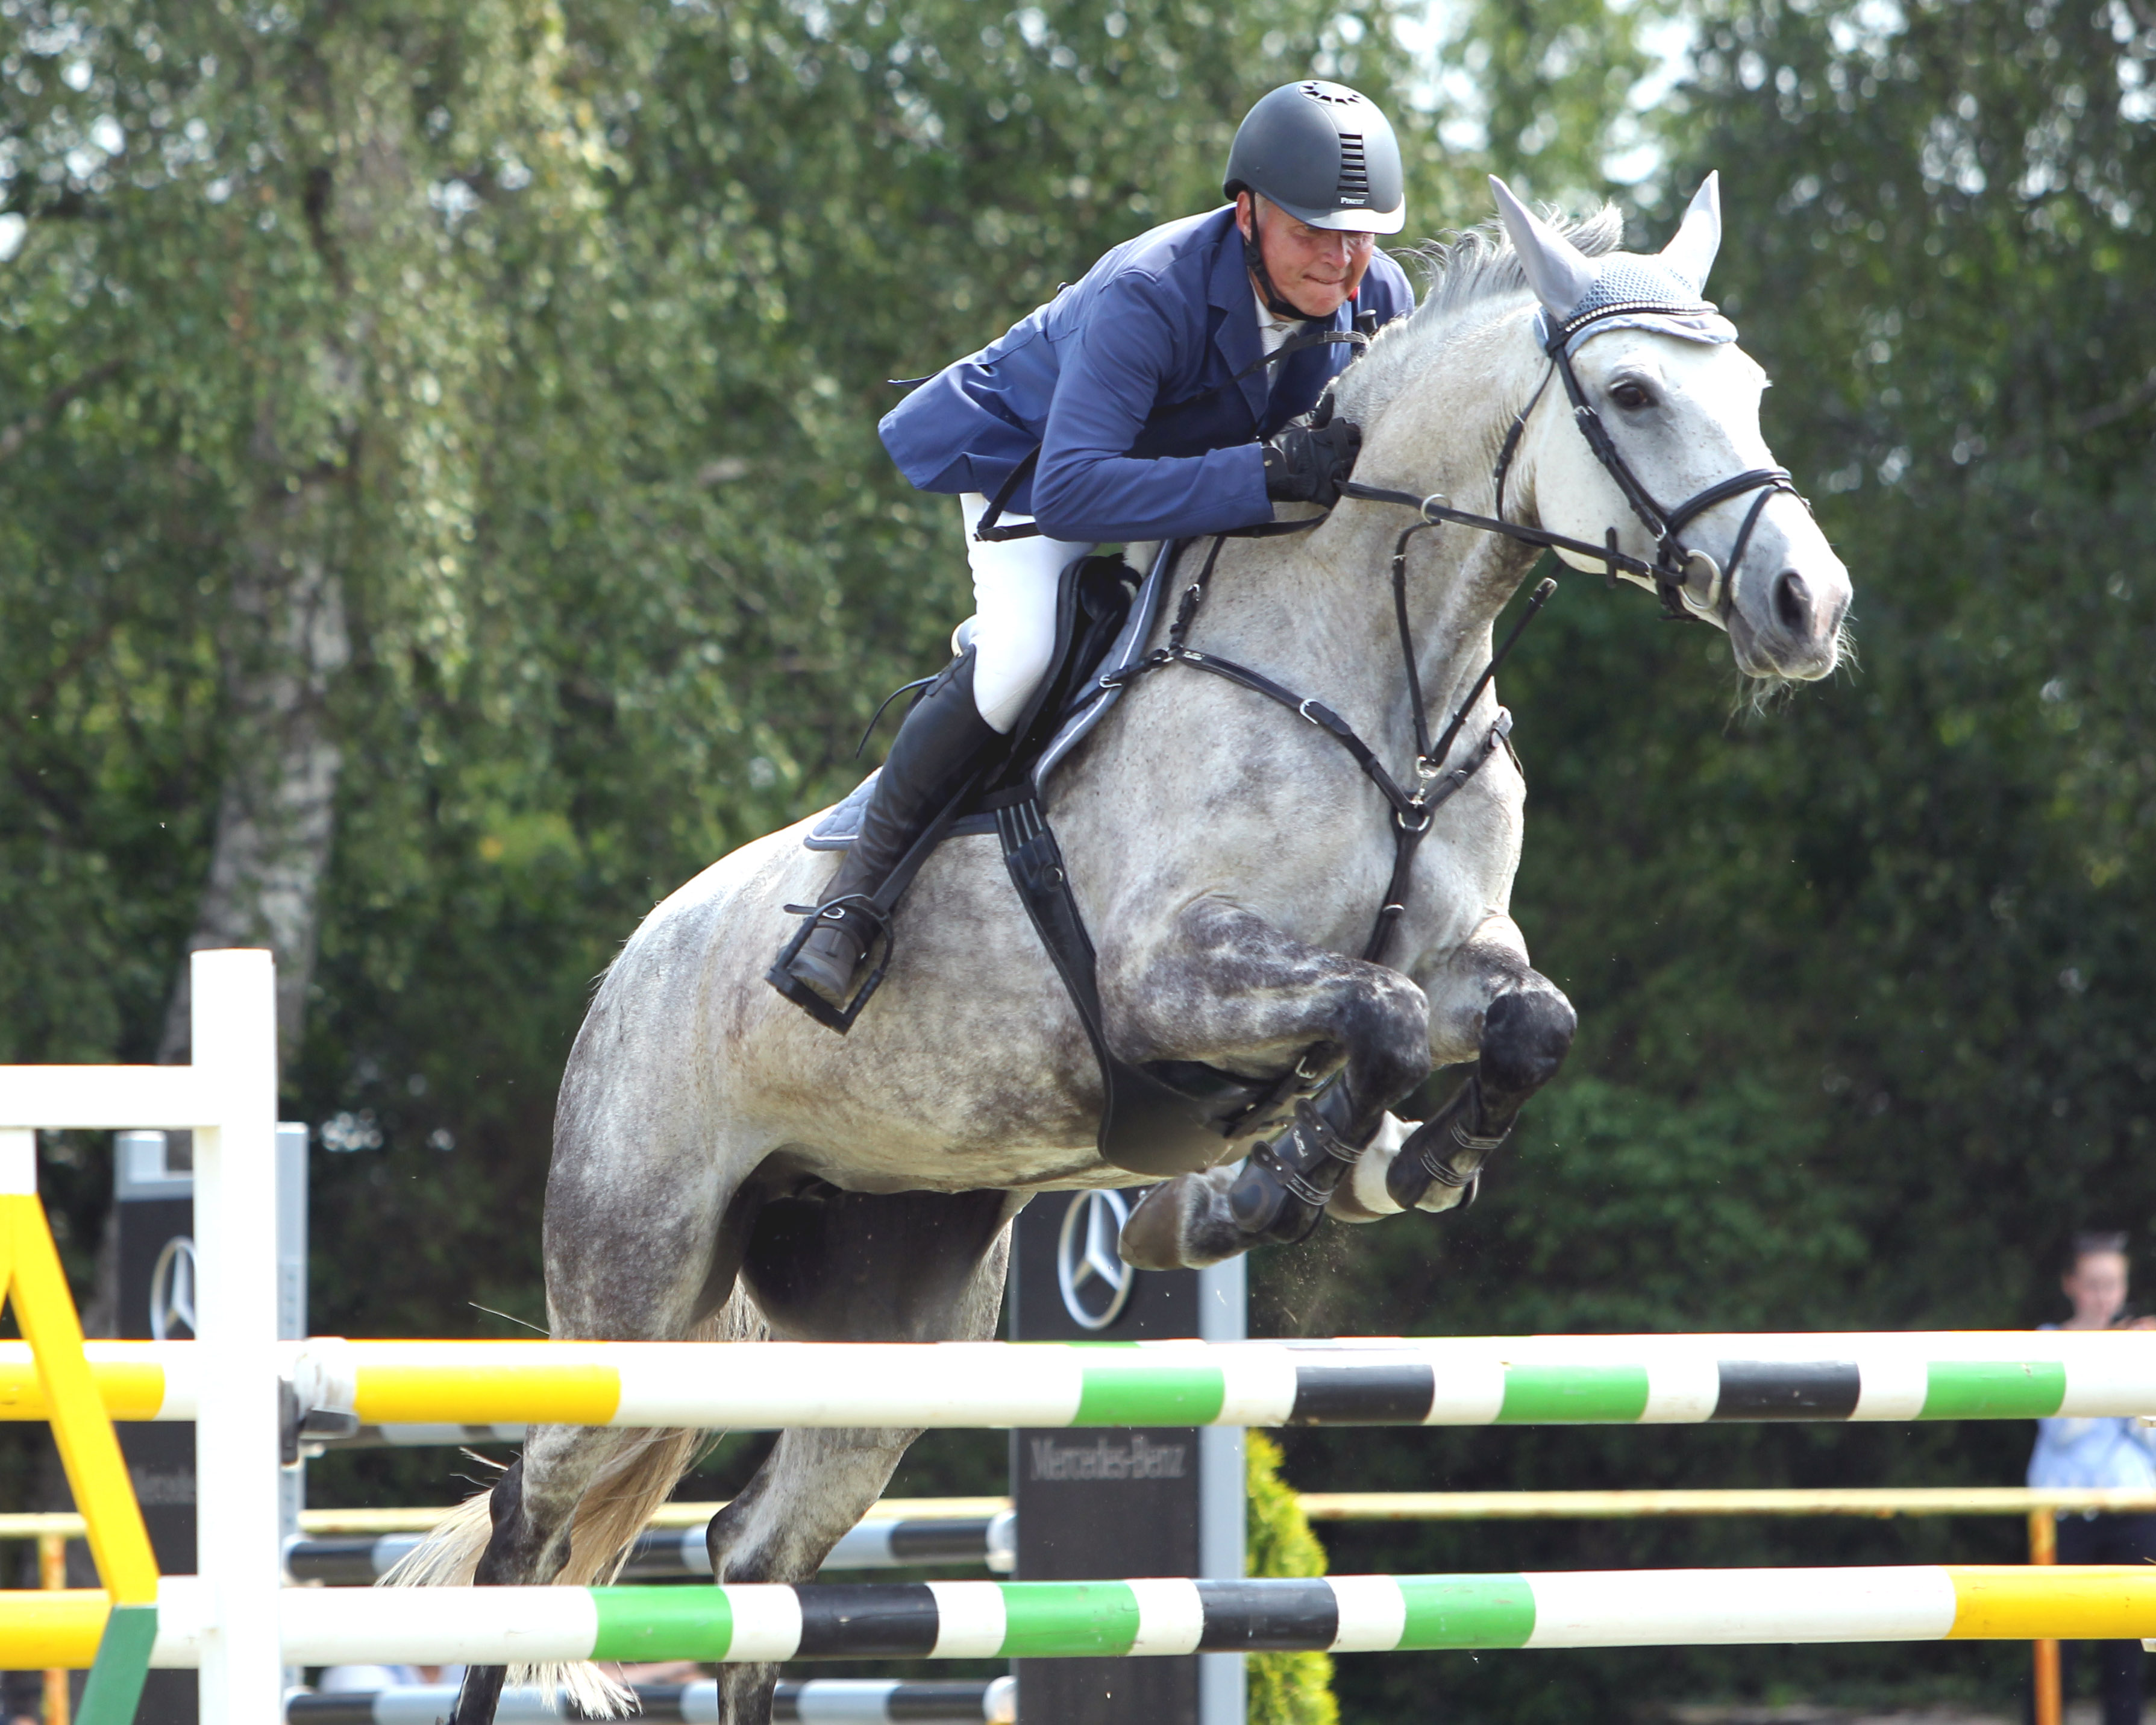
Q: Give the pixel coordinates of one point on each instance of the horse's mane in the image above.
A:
(1472, 272)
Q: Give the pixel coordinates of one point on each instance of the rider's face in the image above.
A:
(1315, 269)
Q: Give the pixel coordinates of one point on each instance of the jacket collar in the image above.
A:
(1228, 287)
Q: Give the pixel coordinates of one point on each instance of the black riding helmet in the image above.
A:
(1324, 154)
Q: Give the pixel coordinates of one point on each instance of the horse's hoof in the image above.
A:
(1183, 1223)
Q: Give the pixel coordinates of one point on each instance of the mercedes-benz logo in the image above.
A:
(172, 1292)
(1096, 1283)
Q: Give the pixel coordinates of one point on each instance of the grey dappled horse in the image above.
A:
(726, 1168)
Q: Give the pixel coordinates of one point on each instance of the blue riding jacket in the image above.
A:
(1125, 383)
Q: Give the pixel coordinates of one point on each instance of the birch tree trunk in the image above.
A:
(378, 296)
(282, 642)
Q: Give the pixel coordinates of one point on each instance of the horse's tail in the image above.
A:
(638, 1477)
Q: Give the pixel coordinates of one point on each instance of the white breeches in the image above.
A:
(1013, 633)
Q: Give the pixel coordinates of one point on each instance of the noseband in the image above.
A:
(1670, 571)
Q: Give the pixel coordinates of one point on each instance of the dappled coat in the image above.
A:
(1125, 383)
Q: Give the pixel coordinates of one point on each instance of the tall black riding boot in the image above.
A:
(938, 749)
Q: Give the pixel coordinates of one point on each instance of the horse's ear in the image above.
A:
(1692, 248)
(1558, 270)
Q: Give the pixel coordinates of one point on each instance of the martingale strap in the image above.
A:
(1436, 509)
(1164, 1118)
(1411, 810)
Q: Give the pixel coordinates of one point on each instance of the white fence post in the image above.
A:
(236, 1428)
(1223, 1494)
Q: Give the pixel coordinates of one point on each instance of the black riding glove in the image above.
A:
(1306, 464)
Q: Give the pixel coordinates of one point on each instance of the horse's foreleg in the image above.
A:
(1233, 989)
(1517, 1024)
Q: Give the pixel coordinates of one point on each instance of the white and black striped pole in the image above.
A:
(679, 1553)
(820, 1701)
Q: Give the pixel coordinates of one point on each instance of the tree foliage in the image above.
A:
(577, 387)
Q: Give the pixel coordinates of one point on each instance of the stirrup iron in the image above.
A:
(876, 956)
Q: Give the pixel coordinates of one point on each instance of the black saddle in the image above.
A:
(1166, 1117)
(1103, 613)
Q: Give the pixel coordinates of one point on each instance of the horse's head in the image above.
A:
(1669, 405)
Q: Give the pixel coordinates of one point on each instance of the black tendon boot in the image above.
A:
(1282, 1189)
(937, 750)
(1448, 1149)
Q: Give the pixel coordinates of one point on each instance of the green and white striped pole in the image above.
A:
(1052, 1619)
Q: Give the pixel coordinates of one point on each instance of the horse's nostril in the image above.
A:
(1793, 603)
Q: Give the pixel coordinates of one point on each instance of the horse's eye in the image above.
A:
(1630, 394)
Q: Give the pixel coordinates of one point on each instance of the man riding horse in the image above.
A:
(1166, 395)
(723, 1169)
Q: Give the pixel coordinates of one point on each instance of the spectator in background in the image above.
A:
(2116, 1452)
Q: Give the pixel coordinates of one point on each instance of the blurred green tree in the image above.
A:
(443, 509)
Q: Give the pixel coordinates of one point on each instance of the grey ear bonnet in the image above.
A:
(1583, 296)
(1634, 292)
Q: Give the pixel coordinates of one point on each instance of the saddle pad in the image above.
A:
(839, 826)
(842, 825)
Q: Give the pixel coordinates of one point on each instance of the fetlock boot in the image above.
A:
(941, 746)
(1447, 1151)
(1284, 1185)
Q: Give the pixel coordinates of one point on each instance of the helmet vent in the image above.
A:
(1354, 169)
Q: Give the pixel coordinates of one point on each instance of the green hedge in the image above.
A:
(1286, 1688)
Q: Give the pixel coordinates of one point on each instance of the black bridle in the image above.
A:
(1413, 810)
(1670, 571)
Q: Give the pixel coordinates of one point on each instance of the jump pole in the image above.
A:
(986, 1619)
(819, 1700)
(2048, 1701)
(232, 1623)
(1877, 1503)
(1525, 1380)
